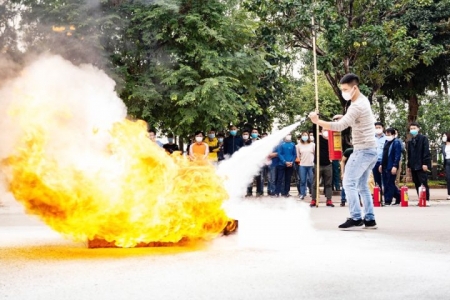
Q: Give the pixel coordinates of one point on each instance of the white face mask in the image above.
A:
(325, 134)
(389, 138)
(348, 95)
(311, 138)
(245, 136)
(198, 139)
(288, 138)
(444, 139)
(378, 131)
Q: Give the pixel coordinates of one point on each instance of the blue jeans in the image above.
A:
(271, 185)
(284, 175)
(306, 177)
(343, 199)
(357, 171)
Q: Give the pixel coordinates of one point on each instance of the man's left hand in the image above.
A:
(394, 171)
(425, 168)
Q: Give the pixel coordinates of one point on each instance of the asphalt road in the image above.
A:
(283, 250)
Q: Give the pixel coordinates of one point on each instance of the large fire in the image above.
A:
(90, 176)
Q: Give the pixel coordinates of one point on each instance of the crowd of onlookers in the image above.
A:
(295, 161)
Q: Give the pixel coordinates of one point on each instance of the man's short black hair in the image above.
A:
(198, 132)
(170, 135)
(350, 78)
(414, 124)
(151, 130)
(379, 124)
(245, 130)
(220, 134)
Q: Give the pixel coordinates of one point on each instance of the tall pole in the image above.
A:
(316, 90)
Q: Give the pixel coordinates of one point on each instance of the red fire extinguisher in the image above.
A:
(404, 196)
(334, 145)
(422, 196)
(376, 196)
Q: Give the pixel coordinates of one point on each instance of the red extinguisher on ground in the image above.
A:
(404, 196)
(376, 196)
(422, 196)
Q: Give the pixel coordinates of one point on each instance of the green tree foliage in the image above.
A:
(375, 39)
(190, 68)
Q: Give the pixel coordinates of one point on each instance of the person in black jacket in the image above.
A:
(233, 142)
(325, 169)
(419, 158)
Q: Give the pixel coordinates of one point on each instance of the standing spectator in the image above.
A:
(213, 146)
(381, 139)
(446, 154)
(152, 136)
(360, 117)
(258, 179)
(305, 153)
(325, 170)
(220, 154)
(233, 142)
(419, 158)
(390, 162)
(286, 155)
(170, 147)
(344, 160)
(198, 150)
(246, 137)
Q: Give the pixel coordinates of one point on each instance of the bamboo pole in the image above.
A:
(316, 90)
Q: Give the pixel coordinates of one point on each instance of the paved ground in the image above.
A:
(284, 250)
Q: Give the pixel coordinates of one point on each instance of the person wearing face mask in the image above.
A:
(380, 137)
(325, 170)
(198, 150)
(446, 153)
(419, 158)
(248, 140)
(360, 117)
(390, 162)
(233, 142)
(213, 146)
(305, 153)
(246, 137)
(286, 158)
(170, 147)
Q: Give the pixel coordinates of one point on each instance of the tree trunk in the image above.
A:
(382, 112)
(413, 108)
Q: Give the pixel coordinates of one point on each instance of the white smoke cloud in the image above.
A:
(73, 105)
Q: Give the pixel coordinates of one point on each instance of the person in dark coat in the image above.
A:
(419, 158)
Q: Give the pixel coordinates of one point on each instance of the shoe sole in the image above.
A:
(352, 228)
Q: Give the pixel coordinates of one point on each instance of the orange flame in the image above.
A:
(136, 194)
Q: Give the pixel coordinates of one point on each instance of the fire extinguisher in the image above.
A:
(376, 196)
(422, 196)
(334, 145)
(404, 196)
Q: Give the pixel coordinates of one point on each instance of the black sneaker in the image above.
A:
(370, 224)
(351, 223)
(342, 203)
